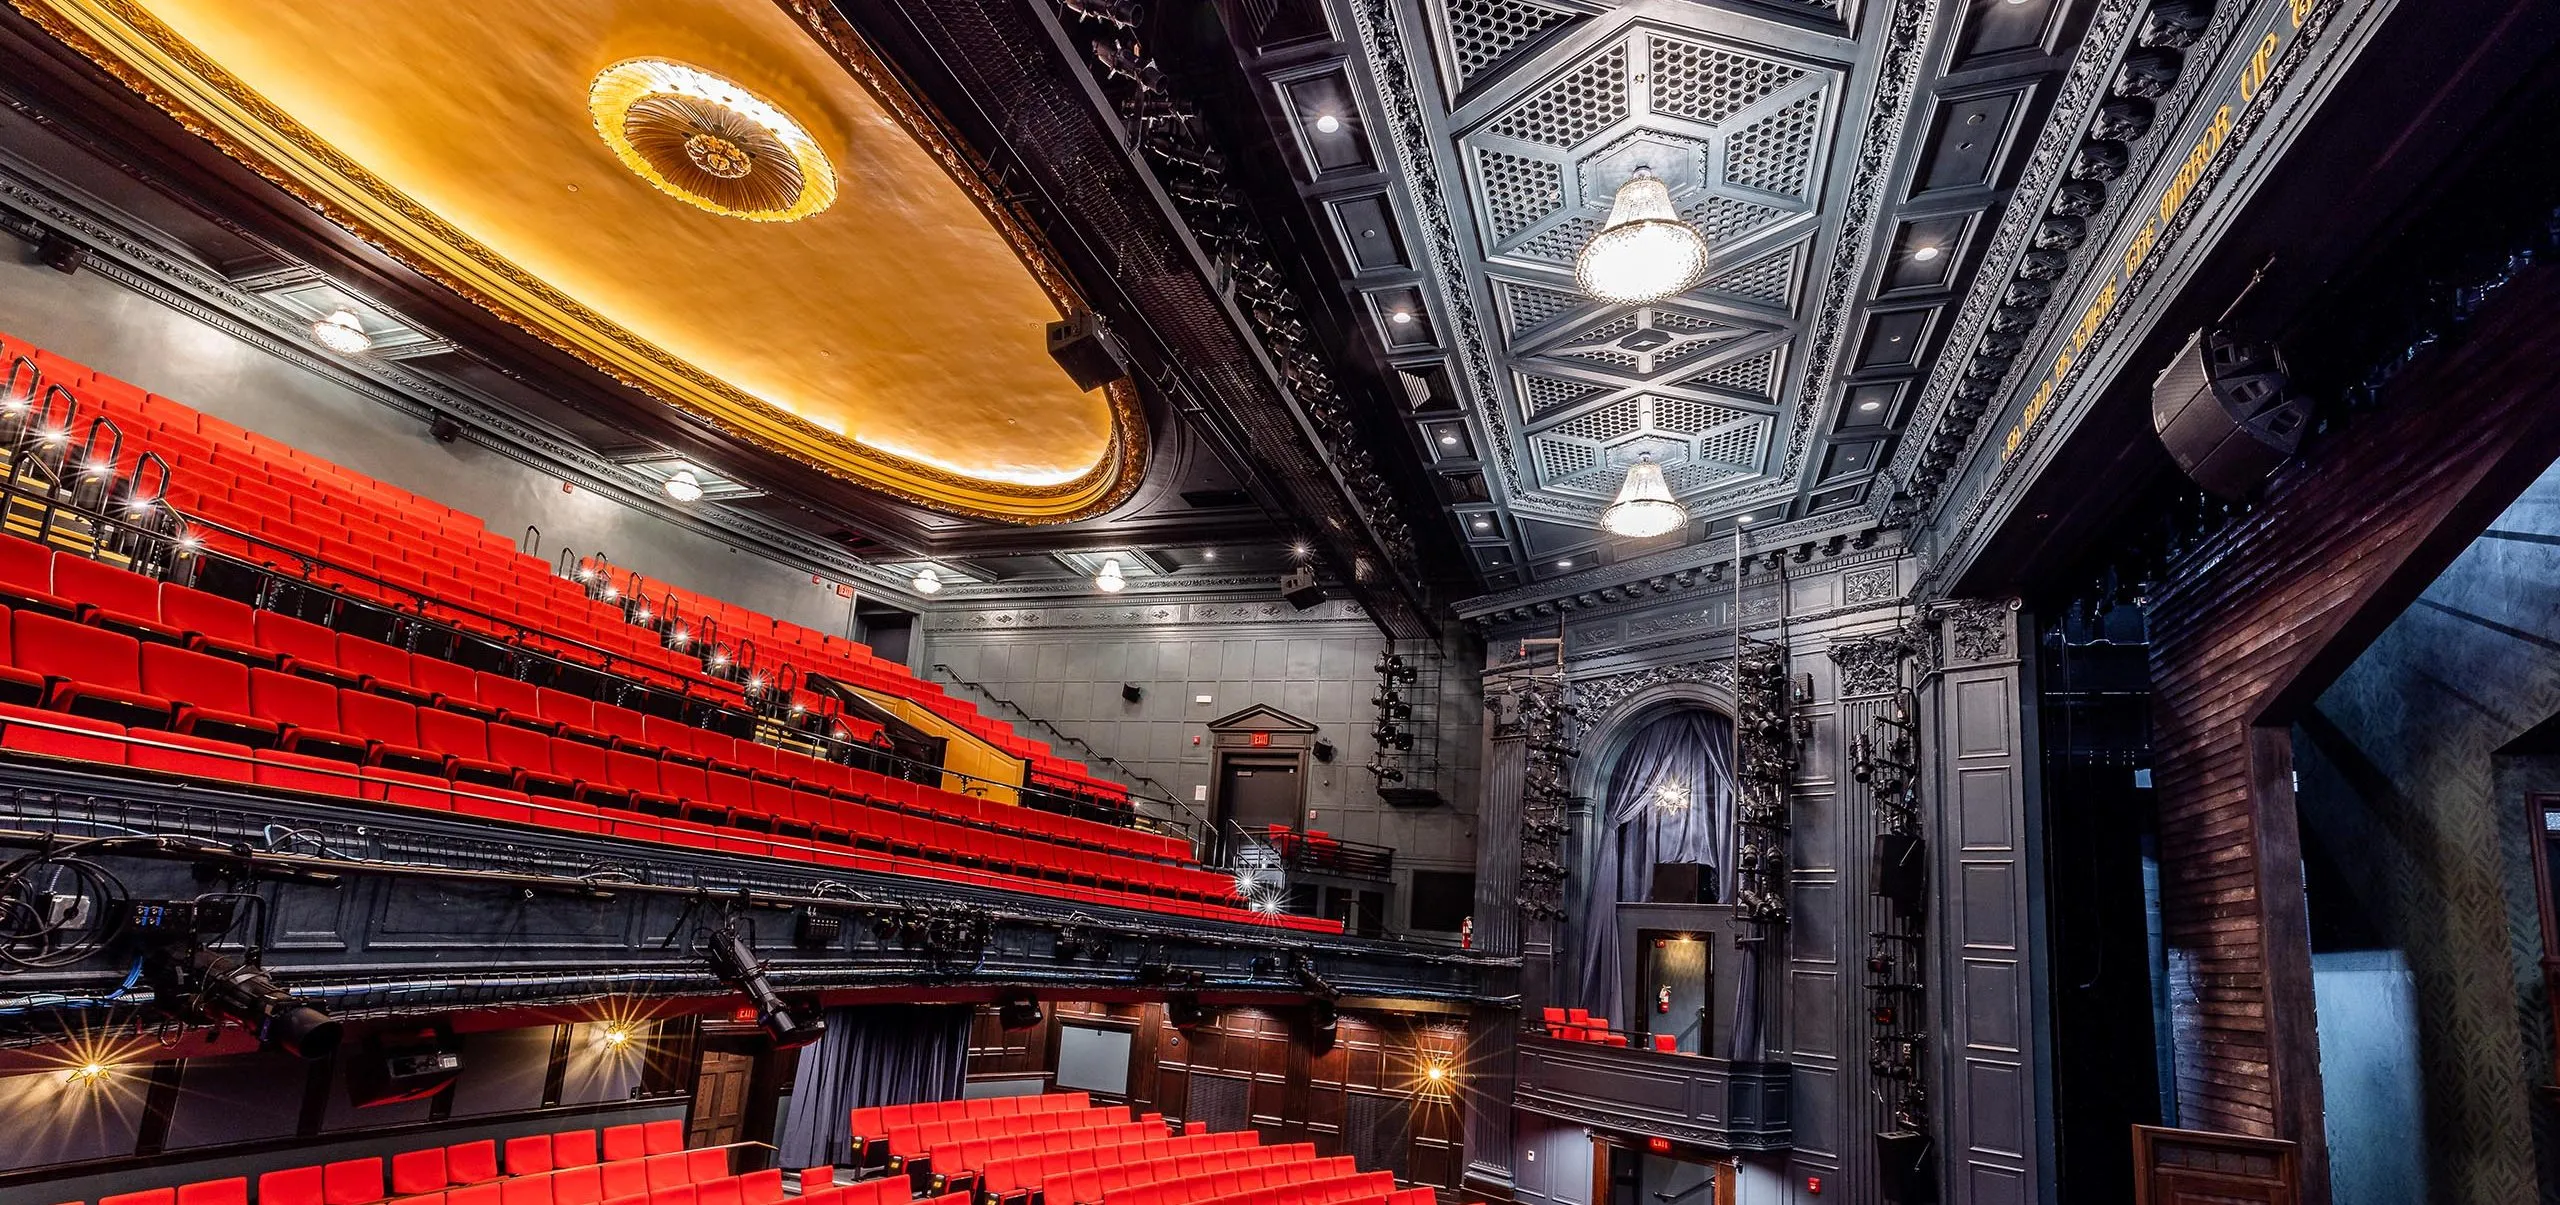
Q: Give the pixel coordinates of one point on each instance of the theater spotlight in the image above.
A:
(1018, 1010)
(737, 965)
(208, 988)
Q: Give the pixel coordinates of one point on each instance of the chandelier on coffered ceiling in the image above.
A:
(1645, 507)
(1645, 252)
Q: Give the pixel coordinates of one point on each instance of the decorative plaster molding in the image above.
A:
(1227, 613)
(1981, 631)
(1595, 698)
(1685, 568)
(1870, 665)
(1873, 586)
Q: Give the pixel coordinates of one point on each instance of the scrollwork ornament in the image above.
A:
(1980, 631)
(1870, 665)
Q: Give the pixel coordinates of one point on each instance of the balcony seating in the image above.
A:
(109, 667)
(1578, 1025)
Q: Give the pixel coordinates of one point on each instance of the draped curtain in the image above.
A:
(888, 1054)
(1669, 799)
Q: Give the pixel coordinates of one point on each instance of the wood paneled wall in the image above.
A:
(2253, 625)
(1371, 1095)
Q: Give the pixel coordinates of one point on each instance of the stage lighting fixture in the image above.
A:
(1186, 1012)
(737, 965)
(1018, 1010)
(208, 988)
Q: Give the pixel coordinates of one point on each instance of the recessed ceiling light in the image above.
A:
(343, 333)
(1401, 317)
(1482, 523)
(1742, 518)
(1871, 404)
(1448, 441)
(1327, 123)
(1208, 554)
(927, 581)
(1301, 550)
(1925, 253)
(683, 486)
(1109, 580)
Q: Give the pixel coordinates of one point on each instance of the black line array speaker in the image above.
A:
(2226, 412)
(1300, 588)
(1902, 871)
(1077, 344)
(1682, 883)
(1909, 1163)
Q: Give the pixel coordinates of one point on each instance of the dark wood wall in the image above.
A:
(1369, 1096)
(2253, 625)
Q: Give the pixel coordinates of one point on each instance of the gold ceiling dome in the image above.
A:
(709, 142)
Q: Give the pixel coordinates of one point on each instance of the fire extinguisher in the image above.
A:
(1662, 1002)
(1467, 934)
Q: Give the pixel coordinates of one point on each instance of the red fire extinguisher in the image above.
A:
(1467, 934)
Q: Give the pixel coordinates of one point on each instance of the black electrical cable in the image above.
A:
(32, 936)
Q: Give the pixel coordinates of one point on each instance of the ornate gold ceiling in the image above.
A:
(876, 315)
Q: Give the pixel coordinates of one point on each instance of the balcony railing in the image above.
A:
(1711, 1102)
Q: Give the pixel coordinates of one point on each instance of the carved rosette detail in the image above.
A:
(1870, 665)
(1980, 631)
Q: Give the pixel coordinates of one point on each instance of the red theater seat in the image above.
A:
(306, 648)
(87, 671)
(307, 709)
(26, 578)
(352, 1182)
(214, 624)
(210, 695)
(113, 598)
(234, 1191)
(573, 1148)
(291, 1186)
(529, 1154)
(414, 1172)
(469, 1162)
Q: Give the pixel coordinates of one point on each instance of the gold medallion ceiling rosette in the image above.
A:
(709, 142)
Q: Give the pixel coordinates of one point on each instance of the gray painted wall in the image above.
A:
(2402, 787)
(1066, 663)
(135, 338)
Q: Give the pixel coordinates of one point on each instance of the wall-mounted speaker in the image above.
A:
(1902, 871)
(1908, 1161)
(1682, 883)
(2226, 412)
(1300, 588)
(1018, 1010)
(1078, 345)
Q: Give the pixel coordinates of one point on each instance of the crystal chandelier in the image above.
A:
(1646, 252)
(1645, 507)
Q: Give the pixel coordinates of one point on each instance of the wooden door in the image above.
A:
(720, 1099)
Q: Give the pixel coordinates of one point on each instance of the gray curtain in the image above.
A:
(886, 1054)
(1669, 799)
(1498, 849)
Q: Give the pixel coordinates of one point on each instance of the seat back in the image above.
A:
(59, 648)
(375, 718)
(111, 589)
(174, 673)
(207, 614)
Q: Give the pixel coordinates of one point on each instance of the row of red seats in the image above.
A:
(1120, 1168)
(818, 1187)
(275, 628)
(958, 1159)
(1203, 1186)
(915, 1141)
(1578, 1025)
(92, 671)
(436, 1169)
(313, 508)
(1370, 1188)
(854, 664)
(1019, 1161)
(871, 1124)
(64, 583)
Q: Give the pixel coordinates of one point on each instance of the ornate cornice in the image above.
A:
(1661, 573)
(1259, 611)
(1969, 527)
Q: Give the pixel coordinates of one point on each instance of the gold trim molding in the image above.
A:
(132, 45)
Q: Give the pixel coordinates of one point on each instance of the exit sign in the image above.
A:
(1262, 740)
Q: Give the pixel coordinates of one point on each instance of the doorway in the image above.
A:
(720, 1099)
(1626, 1175)
(1256, 792)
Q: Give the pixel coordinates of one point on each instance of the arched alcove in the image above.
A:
(1658, 780)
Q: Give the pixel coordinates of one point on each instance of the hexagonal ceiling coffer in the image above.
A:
(1676, 161)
